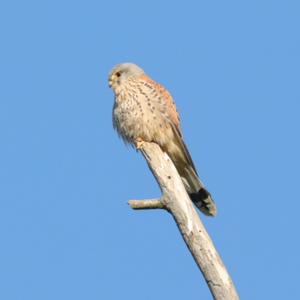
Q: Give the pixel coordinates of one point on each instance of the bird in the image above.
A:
(144, 111)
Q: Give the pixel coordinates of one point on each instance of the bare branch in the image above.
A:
(146, 204)
(177, 202)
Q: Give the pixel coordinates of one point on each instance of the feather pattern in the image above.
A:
(145, 110)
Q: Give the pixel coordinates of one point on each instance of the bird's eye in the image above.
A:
(118, 74)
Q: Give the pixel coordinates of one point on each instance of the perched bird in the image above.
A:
(144, 111)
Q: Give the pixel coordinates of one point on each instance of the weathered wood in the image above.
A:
(176, 201)
(146, 204)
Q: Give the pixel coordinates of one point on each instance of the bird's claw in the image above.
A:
(139, 143)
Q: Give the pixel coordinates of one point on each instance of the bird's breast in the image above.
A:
(136, 116)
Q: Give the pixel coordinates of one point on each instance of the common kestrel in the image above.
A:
(145, 111)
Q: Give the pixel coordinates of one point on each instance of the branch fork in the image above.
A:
(175, 200)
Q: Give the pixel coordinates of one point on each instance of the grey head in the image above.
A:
(120, 73)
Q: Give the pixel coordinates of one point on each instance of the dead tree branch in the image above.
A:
(175, 199)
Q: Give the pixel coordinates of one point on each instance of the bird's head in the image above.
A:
(120, 73)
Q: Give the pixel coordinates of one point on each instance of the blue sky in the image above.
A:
(66, 231)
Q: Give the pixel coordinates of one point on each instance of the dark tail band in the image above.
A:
(204, 202)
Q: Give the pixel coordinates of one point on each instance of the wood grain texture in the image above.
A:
(175, 200)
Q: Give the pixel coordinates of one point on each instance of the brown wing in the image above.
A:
(182, 146)
(178, 152)
(167, 98)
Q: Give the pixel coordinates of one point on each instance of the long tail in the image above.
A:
(183, 162)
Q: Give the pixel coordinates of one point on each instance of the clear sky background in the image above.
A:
(66, 231)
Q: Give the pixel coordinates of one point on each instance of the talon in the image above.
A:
(139, 143)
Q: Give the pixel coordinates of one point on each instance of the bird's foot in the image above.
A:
(139, 143)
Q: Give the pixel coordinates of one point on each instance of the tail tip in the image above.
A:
(203, 200)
